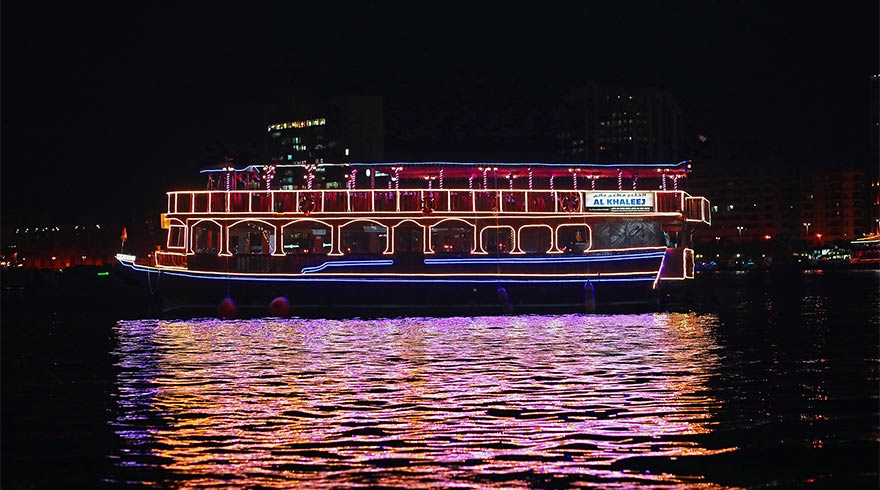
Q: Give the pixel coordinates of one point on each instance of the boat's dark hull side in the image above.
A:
(200, 296)
(600, 283)
(329, 298)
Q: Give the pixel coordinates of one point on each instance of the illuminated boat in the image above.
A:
(865, 252)
(477, 237)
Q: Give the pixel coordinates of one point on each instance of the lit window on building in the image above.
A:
(298, 124)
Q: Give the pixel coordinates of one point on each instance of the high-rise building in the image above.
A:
(606, 124)
(332, 130)
(316, 130)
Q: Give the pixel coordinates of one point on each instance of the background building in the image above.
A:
(312, 130)
(607, 124)
(774, 211)
(326, 130)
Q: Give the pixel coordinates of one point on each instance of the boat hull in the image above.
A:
(595, 283)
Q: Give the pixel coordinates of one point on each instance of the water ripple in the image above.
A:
(506, 402)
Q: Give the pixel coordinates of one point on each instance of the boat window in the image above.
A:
(176, 236)
(497, 239)
(251, 238)
(573, 238)
(452, 238)
(206, 238)
(408, 238)
(535, 239)
(306, 237)
(364, 237)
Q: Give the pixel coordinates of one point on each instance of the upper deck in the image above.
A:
(443, 188)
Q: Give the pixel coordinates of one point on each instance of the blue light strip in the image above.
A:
(548, 260)
(583, 166)
(345, 263)
(246, 169)
(650, 276)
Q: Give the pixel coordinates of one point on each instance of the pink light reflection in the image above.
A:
(417, 403)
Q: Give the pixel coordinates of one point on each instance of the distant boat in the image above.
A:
(473, 237)
(866, 252)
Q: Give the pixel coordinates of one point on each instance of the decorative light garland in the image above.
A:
(310, 176)
(663, 180)
(441, 178)
(531, 180)
(269, 175)
(619, 179)
(592, 182)
(635, 179)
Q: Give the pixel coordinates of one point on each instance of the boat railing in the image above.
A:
(424, 201)
(170, 259)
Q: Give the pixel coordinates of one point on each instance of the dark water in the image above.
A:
(750, 381)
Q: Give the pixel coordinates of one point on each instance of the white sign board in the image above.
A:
(619, 202)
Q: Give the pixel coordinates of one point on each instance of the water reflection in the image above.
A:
(494, 402)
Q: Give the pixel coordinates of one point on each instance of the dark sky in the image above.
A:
(106, 107)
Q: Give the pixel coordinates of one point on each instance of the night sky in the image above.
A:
(106, 107)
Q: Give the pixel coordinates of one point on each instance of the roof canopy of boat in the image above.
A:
(469, 169)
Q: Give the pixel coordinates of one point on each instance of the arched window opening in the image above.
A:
(251, 238)
(452, 238)
(364, 237)
(408, 238)
(573, 238)
(306, 237)
(498, 240)
(535, 239)
(206, 238)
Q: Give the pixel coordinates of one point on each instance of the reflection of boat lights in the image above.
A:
(319, 402)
